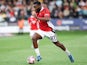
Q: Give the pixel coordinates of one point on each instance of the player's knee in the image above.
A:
(57, 42)
(54, 40)
(34, 38)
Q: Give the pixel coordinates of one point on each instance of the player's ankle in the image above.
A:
(67, 52)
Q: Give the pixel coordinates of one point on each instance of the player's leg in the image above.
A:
(37, 43)
(65, 50)
(31, 35)
(20, 31)
(35, 38)
(60, 45)
(32, 32)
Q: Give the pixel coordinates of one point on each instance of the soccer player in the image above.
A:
(33, 23)
(43, 16)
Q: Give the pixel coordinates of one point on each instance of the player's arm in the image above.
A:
(29, 22)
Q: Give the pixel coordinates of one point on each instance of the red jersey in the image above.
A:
(33, 23)
(43, 25)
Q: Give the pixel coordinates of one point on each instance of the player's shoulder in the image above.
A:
(47, 10)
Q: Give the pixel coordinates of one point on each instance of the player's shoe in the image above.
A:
(71, 58)
(38, 58)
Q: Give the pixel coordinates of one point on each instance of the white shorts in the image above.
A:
(51, 35)
(32, 32)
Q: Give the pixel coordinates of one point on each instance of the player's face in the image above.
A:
(37, 7)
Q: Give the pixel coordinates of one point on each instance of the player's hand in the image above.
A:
(34, 13)
(36, 16)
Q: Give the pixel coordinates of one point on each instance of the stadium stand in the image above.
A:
(12, 10)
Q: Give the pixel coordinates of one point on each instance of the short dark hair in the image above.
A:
(37, 2)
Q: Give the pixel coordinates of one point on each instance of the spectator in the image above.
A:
(79, 11)
(66, 3)
(60, 15)
(84, 11)
(59, 3)
(51, 5)
(82, 3)
(2, 13)
(21, 19)
(73, 6)
(20, 25)
(2, 16)
(11, 14)
(66, 12)
(58, 8)
(55, 11)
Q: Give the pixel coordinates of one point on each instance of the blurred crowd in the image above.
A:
(14, 10)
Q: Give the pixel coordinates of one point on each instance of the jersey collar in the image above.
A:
(42, 8)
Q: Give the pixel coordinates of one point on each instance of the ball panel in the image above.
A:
(31, 60)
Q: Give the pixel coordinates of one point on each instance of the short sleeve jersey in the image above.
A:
(43, 25)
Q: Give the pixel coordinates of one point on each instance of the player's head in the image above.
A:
(37, 6)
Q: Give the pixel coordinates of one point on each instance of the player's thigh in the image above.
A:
(32, 33)
(40, 32)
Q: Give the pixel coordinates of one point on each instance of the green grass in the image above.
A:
(15, 50)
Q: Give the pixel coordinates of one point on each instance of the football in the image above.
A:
(31, 60)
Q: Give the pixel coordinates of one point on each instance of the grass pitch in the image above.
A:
(15, 50)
